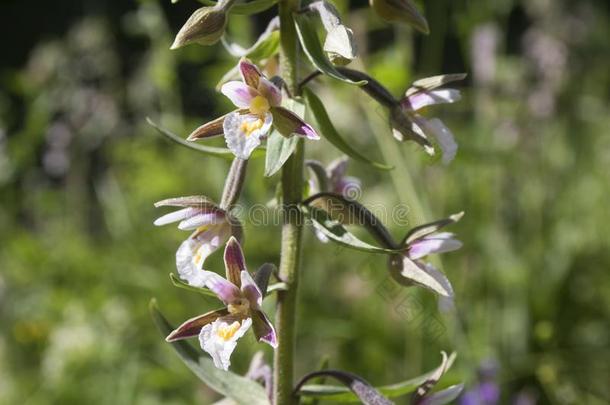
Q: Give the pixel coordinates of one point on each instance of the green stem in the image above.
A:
(292, 194)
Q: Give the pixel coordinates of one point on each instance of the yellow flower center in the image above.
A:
(250, 126)
(239, 307)
(259, 105)
(226, 332)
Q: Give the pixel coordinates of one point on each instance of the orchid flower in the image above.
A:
(259, 109)
(219, 330)
(421, 241)
(334, 179)
(211, 227)
(423, 93)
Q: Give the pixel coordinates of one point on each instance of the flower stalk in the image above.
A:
(292, 228)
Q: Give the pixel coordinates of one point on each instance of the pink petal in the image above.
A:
(439, 243)
(270, 91)
(202, 218)
(337, 169)
(176, 216)
(239, 93)
(249, 73)
(263, 328)
(425, 98)
(289, 123)
(234, 261)
(443, 137)
(226, 291)
(250, 290)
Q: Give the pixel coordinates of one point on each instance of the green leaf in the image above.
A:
(208, 150)
(335, 231)
(329, 132)
(279, 149)
(342, 394)
(240, 389)
(265, 48)
(251, 7)
(311, 45)
(181, 284)
(366, 393)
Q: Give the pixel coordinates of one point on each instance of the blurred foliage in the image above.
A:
(80, 169)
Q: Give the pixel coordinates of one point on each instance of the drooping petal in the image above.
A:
(444, 138)
(193, 252)
(192, 327)
(270, 91)
(239, 93)
(225, 290)
(425, 98)
(250, 290)
(219, 339)
(249, 73)
(408, 272)
(244, 132)
(234, 261)
(438, 243)
(207, 130)
(176, 216)
(288, 123)
(201, 219)
(263, 328)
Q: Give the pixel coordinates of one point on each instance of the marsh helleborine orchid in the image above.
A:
(219, 330)
(259, 109)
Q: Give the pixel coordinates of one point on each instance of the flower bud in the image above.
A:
(400, 11)
(205, 26)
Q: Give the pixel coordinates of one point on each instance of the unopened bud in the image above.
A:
(205, 26)
(400, 11)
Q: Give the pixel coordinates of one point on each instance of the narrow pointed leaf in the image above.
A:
(208, 150)
(336, 232)
(279, 149)
(426, 229)
(313, 49)
(366, 393)
(266, 45)
(351, 212)
(340, 394)
(242, 390)
(328, 131)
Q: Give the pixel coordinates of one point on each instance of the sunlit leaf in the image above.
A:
(328, 131)
(336, 232)
(240, 389)
(313, 49)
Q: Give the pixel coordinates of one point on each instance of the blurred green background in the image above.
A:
(80, 170)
